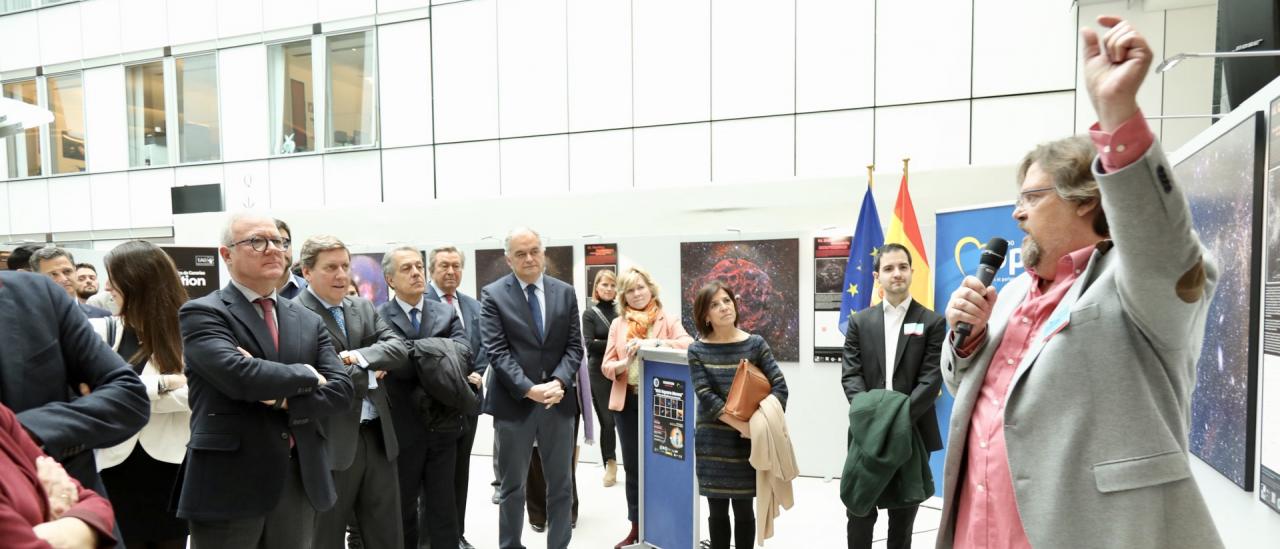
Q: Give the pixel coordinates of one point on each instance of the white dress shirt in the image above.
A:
(893, 317)
(254, 296)
(540, 292)
(457, 303)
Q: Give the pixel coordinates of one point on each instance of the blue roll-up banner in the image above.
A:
(960, 238)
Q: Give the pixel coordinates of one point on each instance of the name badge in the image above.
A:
(913, 328)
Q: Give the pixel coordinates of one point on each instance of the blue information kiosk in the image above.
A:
(669, 513)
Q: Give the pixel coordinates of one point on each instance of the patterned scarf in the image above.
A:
(639, 320)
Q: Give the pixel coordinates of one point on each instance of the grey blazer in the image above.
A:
(1097, 415)
(383, 349)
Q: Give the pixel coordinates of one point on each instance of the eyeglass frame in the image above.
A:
(1022, 201)
(281, 244)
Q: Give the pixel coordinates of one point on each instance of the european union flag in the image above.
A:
(858, 282)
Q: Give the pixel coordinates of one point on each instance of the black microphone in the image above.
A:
(992, 259)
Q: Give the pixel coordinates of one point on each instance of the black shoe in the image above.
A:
(464, 544)
(495, 499)
(539, 528)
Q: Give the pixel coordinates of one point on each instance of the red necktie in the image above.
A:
(449, 298)
(268, 314)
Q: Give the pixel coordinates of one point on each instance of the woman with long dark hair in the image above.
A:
(139, 473)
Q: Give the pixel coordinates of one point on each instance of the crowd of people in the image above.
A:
(283, 410)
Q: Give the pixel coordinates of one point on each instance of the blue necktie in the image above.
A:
(413, 320)
(535, 308)
(337, 317)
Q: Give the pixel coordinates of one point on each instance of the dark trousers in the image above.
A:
(600, 389)
(535, 490)
(628, 422)
(900, 524)
(368, 495)
(427, 468)
(462, 472)
(553, 433)
(291, 524)
(743, 524)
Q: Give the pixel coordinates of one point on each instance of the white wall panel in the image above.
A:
(1005, 128)
(1037, 53)
(535, 166)
(19, 40)
(600, 161)
(467, 170)
(239, 17)
(203, 174)
(599, 46)
(283, 14)
(834, 143)
(29, 206)
(1189, 88)
(672, 52)
(61, 39)
(352, 179)
(243, 104)
(933, 135)
(753, 149)
(669, 156)
(408, 175)
(191, 22)
(144, 24)
(404, 73)
(4, 209)
(246, 186)
(150, 202)
(297, 183)
(1152, 25)
(70, 206)
(103, 36)
(388, 6)
(110, 200)
(466, 70)
(106, 121)
(835, 61)
(753, 57)
(532, 67)
(922, 51)
(336, 10)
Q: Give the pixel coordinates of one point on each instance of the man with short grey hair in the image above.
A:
(60, 265)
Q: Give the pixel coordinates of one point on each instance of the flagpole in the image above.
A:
(904, 166)
(871, 178)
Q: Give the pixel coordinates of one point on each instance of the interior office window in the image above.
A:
(23, 150)
(197, 85)
(290, 91)
(7, 6)
(66, 134)
(351, 89)
(148, 133)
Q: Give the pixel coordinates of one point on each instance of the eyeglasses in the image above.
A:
(1030, 197)
(259, 244)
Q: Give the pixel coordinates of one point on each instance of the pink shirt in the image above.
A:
(987, 511)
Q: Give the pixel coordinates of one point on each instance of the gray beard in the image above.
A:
(1030, 252)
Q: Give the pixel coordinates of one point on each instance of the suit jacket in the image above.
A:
(520, 360)
(436, 320)
(1097, 413)
(49, 349)
(239, 450)
(470, 323)
(915, 371)
(383, 350)
(92, 311)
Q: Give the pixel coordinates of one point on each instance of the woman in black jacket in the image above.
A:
(595, 329)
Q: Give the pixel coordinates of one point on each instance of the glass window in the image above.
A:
(351, 89)
(7, 6)
(23, 150)
(290, 92)
(148, 135)
(66, 134)
(198, 108)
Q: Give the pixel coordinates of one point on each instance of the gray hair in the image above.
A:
(506, 243)
(318, 244)
(431, 257)
(388, 267)
(46, 254)
(228, 230)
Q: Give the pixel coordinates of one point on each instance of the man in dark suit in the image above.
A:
(427, 450)
(60, 265)
(262, 372)
(362, 440)
(50, 353)
(532, 335)
(445, 265)
(897, 345)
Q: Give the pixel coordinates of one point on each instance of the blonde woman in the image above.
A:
(641, 323)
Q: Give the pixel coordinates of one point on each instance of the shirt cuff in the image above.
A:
(1128, 143)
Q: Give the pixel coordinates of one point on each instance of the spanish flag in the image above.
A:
(905, 230)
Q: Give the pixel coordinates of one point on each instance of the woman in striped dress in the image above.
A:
(723, 447)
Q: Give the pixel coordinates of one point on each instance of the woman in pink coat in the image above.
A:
(641, 323)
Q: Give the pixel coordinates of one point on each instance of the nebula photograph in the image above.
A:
(763, 274)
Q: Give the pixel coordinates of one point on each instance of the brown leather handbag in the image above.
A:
(750, 386)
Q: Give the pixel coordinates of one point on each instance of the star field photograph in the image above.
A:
(763, 274)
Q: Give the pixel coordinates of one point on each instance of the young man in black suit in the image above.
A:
(896, 344)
